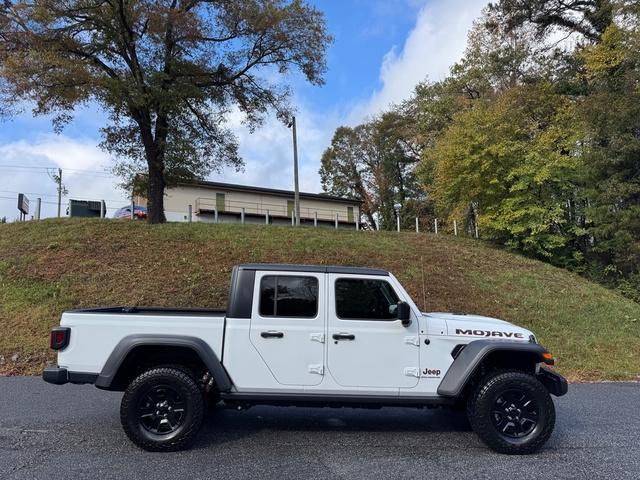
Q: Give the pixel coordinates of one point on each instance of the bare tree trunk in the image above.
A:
(156, 182)
(155, 192)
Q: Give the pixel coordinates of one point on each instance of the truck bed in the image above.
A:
(96, 332)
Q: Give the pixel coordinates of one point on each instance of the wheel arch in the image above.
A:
(481, 355)
(153, 350)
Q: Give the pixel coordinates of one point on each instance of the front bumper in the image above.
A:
(60, 376)
(555, 383)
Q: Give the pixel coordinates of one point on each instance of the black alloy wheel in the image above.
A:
(161, 410)
(515, 413)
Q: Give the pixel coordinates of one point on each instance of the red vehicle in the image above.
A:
(139, 213)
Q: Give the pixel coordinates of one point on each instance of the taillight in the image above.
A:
(60, 338)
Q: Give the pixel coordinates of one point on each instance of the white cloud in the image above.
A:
(435, 43)
(268, 152)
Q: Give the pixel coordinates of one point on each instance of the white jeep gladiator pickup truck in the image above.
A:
(298, 335)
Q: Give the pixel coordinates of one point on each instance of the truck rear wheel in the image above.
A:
(162, 410)
(512, 412)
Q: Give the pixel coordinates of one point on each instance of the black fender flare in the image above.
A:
(128, 343)
(472, 355)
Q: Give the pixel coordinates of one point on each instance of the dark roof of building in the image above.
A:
(274, 191)
(281, 267)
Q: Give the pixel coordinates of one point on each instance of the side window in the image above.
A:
(361, 299)
(288, 296)
(220, 203)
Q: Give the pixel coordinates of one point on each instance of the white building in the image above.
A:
(229, 203)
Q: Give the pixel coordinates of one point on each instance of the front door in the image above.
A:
(367, 345)
(288, 326)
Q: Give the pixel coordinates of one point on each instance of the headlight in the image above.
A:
(532, 339)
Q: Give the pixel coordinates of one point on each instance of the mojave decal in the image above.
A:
(488, 333)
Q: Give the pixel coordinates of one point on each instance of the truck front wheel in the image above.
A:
(162, 410)
(512, 412)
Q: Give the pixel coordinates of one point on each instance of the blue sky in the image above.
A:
(382, 49)
(364, 32)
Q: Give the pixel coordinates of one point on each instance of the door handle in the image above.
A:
(272, 334)
(344, 336)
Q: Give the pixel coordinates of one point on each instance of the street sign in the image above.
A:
(23, 203)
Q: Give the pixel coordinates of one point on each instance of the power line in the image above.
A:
(76, 171)
(15, 199)
(30, 193)
(23, 166)
(68, 195)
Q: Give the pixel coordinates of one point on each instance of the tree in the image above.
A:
(350, 167)
(166, 71)
(590, 18)
(496, 59)
(376, 161)
(603, 72)
(518, 159)
(612, 112)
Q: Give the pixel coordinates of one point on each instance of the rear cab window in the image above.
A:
(288, 296)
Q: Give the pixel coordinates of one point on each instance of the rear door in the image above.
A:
(288, 325)
(367, 345)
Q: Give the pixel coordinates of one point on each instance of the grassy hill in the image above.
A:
(49, 266)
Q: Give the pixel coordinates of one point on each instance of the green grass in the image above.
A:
(49, 266)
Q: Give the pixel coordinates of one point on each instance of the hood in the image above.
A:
(479, 326)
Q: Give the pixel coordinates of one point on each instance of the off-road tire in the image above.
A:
(211, 398)
(185, 388)
(488, 394)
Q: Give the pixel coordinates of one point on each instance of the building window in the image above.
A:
(220, 202)
(350, 214)
(362, 299)
(288, 296)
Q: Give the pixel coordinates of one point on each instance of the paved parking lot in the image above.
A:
(49, 432)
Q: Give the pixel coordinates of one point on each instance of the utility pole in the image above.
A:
(296, 194)
(59, 190)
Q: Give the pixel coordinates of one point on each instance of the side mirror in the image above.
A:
(403, 313)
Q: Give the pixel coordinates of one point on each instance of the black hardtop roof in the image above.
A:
(283, 267)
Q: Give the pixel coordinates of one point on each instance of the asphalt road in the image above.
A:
(69, 432)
